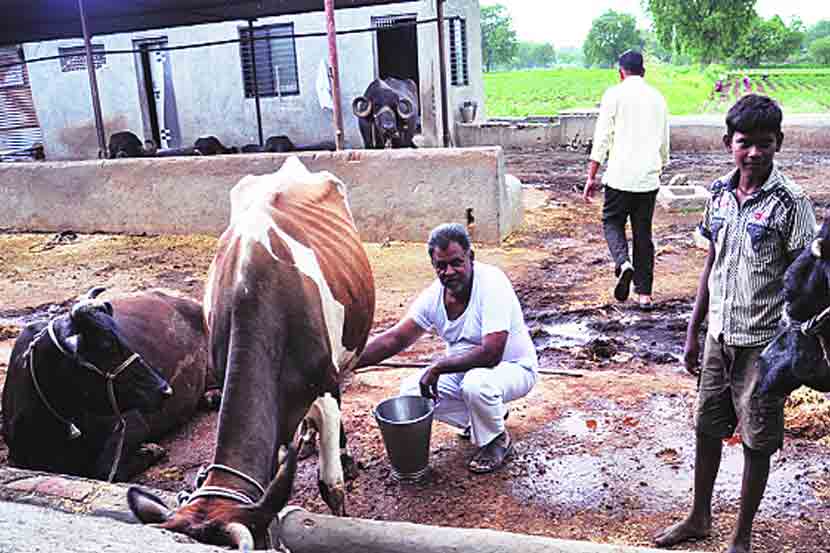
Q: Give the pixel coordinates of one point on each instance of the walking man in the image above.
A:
(633, 132)
(490, 358)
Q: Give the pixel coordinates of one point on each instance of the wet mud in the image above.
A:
(605, 454)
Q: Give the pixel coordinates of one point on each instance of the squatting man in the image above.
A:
(490, 358)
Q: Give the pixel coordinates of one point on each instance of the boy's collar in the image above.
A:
(773, 180)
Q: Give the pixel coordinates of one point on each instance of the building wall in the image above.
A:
(209, 87)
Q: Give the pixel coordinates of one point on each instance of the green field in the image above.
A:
(688, 90)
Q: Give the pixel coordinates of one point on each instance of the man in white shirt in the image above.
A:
(490, 358)
(633, 132)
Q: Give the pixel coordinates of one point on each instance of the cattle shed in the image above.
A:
(177, 70)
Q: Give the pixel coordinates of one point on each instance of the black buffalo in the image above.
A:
(388, 113)
(83, 392)
(211, 146)
(127, 144)
(799, 354)
(283, 144)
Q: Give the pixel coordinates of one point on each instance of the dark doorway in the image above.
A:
(397, 46)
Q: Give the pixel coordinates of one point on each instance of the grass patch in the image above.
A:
(688, 90)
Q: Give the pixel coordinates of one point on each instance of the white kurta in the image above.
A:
(477, 397)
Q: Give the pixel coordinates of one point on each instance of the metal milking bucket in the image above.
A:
(406, 426)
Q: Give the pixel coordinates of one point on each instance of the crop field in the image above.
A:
(688, 90)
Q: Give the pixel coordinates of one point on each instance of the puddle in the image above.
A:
(27, 315)
(643, 458)
(619, 334)
(567, 334)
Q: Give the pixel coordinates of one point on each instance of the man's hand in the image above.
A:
(590, 188)
(691, 353)
(429, 383)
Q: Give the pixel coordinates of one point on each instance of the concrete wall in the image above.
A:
(705, 133)
(508, 134)
(209, 89)
(394, 194)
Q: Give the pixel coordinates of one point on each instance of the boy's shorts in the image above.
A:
(728, 398)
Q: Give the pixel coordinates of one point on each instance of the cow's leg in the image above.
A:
(136, 431)
(325, 414)
(350, 470)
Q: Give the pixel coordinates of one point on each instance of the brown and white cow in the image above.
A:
(289, 303)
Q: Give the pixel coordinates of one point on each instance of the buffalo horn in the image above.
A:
(240, 536)
(94, 292)
(146, 507)
(405, 108)
(362, 111)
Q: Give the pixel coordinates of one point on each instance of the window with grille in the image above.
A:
(459, 70)
(276, 60)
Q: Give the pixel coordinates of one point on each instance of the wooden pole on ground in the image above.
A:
(305, 532)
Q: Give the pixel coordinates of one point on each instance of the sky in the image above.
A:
(567, 22)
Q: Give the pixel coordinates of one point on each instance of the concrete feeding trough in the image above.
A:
(673, 198)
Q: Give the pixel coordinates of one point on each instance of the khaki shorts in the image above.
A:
(728, 398)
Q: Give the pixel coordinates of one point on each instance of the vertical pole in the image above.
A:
(445, 123)
(252, 45)
(335, 75)
(93, 85)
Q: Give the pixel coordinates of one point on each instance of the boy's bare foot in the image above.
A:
(687, 530)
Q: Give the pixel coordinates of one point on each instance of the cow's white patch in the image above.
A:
(325, 414)
(253, 224)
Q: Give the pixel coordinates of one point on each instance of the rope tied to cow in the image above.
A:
(183, 497)
(813, 327)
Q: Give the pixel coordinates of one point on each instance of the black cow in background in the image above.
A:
(282, 144)
(800, 353)
(211, 146)
(388, 114)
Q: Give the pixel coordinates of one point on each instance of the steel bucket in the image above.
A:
(406, 426)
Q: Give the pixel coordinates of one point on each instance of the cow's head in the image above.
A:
(795, 356)
(92, 338)
(387, 112)
(807, 281)
(220, 520)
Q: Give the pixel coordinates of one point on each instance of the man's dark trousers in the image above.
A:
(639, 207)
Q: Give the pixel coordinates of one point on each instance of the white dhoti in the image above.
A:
(476, 398)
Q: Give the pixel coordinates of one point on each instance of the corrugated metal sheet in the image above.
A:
(19, 127)
(36, 20)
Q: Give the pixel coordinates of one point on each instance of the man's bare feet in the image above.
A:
(688, 530)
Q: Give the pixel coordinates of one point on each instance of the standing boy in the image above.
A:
(757, 222)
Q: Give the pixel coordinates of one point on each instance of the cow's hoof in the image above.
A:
(211, 400)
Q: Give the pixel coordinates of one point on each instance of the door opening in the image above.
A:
(397, 46)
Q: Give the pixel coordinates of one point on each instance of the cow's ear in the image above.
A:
(108, 308)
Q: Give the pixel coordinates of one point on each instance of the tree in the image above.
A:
(820, 50)
(771, 40)
(611, 34)
(534, 54)
(706, 29)
(652, 47)
(570, 55)
(498, 39)
(817, 31)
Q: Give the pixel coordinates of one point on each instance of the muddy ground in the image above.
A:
(606, 456)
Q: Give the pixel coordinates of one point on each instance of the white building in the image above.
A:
(178, 95)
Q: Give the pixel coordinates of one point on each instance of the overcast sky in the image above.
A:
(567, 22)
